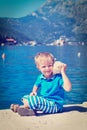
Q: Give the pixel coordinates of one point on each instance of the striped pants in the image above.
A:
(41, 104)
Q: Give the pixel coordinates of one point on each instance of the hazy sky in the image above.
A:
(19, 8)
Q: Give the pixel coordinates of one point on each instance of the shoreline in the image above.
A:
(73, 117)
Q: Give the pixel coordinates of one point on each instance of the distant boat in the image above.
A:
(11, 40)
(3, 56)
(2, 44)
(78, 54)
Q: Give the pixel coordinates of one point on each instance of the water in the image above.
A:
(18, 72)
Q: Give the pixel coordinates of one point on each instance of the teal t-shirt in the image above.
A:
(51, 89)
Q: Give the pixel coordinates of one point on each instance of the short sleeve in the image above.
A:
(38, 82)
(61, 82)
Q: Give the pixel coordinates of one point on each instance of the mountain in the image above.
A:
(53, 19)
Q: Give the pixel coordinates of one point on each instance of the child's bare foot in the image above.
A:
(14, 107)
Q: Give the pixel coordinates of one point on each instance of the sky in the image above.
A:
(19, 8)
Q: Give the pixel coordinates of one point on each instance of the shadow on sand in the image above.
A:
(74, 108)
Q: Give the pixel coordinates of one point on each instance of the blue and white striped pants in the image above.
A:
(41, 104)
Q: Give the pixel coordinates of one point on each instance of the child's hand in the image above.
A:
(59, 67)
(33, 94)
(63, 68)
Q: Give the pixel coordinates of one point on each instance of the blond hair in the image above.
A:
(43, 55)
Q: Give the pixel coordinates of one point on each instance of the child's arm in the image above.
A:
(60, 67)
(34, 91)
(67, 84)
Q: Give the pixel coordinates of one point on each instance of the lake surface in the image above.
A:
(18, 72)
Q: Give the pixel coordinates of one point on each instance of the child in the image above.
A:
(50, 99)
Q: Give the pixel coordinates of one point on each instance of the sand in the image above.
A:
(73, 117)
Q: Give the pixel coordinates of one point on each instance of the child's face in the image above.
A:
(45, 65)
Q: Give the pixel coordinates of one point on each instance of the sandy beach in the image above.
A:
(73, 117)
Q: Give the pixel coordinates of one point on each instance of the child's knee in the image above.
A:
(25, 102)
(30, 101)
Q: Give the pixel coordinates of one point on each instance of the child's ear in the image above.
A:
(37, 66)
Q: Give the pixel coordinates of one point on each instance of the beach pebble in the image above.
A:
(57, 67)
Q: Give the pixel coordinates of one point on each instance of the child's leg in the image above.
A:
(25, 103)
(41, 104)
(15, 107)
